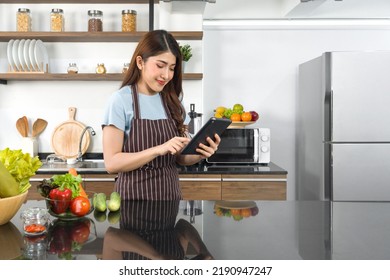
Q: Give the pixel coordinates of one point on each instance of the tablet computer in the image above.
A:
(213, 126)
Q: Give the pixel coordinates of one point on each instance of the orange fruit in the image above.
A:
(246, 117)
(235, 212)
(246, 212)
(235, 117)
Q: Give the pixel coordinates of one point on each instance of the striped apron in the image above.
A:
(158, 179)
(154, 222)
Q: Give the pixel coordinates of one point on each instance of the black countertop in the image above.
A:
(94, 164)
(279, 230)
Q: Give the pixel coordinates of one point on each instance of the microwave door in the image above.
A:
(237, 146)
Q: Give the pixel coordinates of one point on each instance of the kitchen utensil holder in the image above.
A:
(30, 145)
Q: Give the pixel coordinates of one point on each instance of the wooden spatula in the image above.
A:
(38, 126)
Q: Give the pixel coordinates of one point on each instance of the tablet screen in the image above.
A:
(213, 126)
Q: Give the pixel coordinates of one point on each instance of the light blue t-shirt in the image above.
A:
(119, 110)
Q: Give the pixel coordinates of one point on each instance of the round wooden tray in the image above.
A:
(66, 137)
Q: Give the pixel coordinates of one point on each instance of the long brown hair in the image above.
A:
(154, 43)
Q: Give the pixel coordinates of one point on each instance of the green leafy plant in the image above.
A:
(16, 168)
(186, 52)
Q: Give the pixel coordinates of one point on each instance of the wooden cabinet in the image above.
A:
(104, 183)
(99, 183)
(200, 187)
(33, 193)
(254, 187)
(233, 187)
(195, 186)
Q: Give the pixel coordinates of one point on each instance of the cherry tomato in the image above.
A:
(80, 206)
(34, 228)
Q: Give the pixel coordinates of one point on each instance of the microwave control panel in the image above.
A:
(264, 145)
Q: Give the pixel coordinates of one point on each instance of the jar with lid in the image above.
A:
(129, 20)
(23, 20)
(57, 20)
(73, 69)
(126, 66)
(95, 21)
(100, 68)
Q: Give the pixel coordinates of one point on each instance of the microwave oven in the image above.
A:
(243, 145)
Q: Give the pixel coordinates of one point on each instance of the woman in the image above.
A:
(150, 230)
(143, 129)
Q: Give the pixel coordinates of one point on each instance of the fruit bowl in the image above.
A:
(240, 124)
(237, 210)
(61, 209)
(9, 206)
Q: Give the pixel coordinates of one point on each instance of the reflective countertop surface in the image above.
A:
(97, 166)
(277, 230)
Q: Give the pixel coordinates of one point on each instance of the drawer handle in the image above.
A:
(84, 179)
(254, 180)
(38, 179)
(200, 179)
(99, 179)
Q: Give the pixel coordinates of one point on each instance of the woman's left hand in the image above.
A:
(207, 151)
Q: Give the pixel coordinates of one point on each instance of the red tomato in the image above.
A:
(80, 206)
(80, 232)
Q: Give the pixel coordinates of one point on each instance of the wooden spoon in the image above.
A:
(38, 126)
(26, 126)
(21, 126)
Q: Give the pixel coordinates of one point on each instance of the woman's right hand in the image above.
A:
(173, 146)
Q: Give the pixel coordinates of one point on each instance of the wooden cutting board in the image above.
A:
(66, 137)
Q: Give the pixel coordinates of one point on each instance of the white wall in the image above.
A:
(50, 99)
(256, 64)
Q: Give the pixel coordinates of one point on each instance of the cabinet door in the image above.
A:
(200, 187)
(99, 183)
(254, 187)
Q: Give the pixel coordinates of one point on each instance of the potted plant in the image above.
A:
(186, 52)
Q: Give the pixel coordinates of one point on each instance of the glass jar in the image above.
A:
(23, 20)
(100, 69)
(125, 67)
(57, 20)
(95, 21)
(73, 69)
(129, 20)
(35, 221)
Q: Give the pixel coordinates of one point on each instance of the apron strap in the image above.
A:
(167, 112)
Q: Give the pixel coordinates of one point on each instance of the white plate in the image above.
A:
(41, 57)
(31, 54)
(22, 64)
(9, 54)
(15, 55)
(26, 54)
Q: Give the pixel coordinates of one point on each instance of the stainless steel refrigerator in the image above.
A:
(343, 127)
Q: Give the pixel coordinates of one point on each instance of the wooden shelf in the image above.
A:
(78, 1)
(4, 77)
(93, 36)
